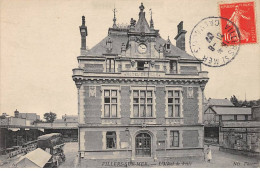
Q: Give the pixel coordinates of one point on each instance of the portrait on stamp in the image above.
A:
(242, 14)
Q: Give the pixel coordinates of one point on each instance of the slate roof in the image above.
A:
(119, 35)
(226, 110)
(220, 102)
(174, 50)
(100, 48)
(117, 40)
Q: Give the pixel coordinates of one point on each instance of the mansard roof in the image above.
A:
(119, 35)
(100, 49)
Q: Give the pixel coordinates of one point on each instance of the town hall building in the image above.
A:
(139, 95)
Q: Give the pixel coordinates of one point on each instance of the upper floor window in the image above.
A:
(111, 139)
(110, 103)
(142, 65)
(143, 103)
(235, 117)
(173, 66)
(246, 117)
(174, 137)
(174, 103)
(110, 65)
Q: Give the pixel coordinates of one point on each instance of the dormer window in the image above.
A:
(109, 44)
(110, 64)
(168, 46)
(173, 66)
(140, 65)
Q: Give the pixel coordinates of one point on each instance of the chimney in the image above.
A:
(83, 33)
(180, 38)
(16, 113)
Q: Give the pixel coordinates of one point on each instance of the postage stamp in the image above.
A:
(242, 14)
(207, 42)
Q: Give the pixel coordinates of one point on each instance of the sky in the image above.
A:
(40, 42)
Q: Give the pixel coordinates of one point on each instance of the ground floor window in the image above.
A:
(174, 135)
(111, 139)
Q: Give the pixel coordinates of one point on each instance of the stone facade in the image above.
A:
(139, 95)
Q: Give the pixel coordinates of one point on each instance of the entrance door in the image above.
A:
(143, 145)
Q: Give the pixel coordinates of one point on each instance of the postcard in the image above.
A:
(130, 84)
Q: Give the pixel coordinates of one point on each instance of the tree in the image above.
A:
(50, 117)
(234, 100)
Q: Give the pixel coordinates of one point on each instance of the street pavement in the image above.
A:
(70, 151)
(220, 159)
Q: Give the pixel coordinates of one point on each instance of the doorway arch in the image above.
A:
(143, 145)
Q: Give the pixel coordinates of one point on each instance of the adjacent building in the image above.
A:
(256, 113)
(219, 110)
(28, 116)
(139, 95)
(240, 137)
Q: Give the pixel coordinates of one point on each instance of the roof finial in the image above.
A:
(114, 19)
(141, 7)
(151, 21)
(83, 20)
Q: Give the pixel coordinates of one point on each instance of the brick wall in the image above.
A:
(190, 107)
(188, 70)
(123, 140)
(160, 105)
(94, 67)
(160, 135)
(92, 106)
(93, 140)
(125, 104)
(190, 138)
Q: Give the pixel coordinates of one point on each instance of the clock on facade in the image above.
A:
(142, 48)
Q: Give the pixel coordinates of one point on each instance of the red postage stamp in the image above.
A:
(242, 15)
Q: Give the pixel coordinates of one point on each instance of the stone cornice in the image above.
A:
(119, 58)
(140, 81)
(137, 125)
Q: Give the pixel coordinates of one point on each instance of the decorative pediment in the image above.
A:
(142, 24)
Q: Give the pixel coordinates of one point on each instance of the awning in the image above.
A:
(41, 129)
(39, 157)
(14, 129)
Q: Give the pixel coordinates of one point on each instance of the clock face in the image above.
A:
(142, 48)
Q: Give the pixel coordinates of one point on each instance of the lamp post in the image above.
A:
(128, 142)
(165, 135)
